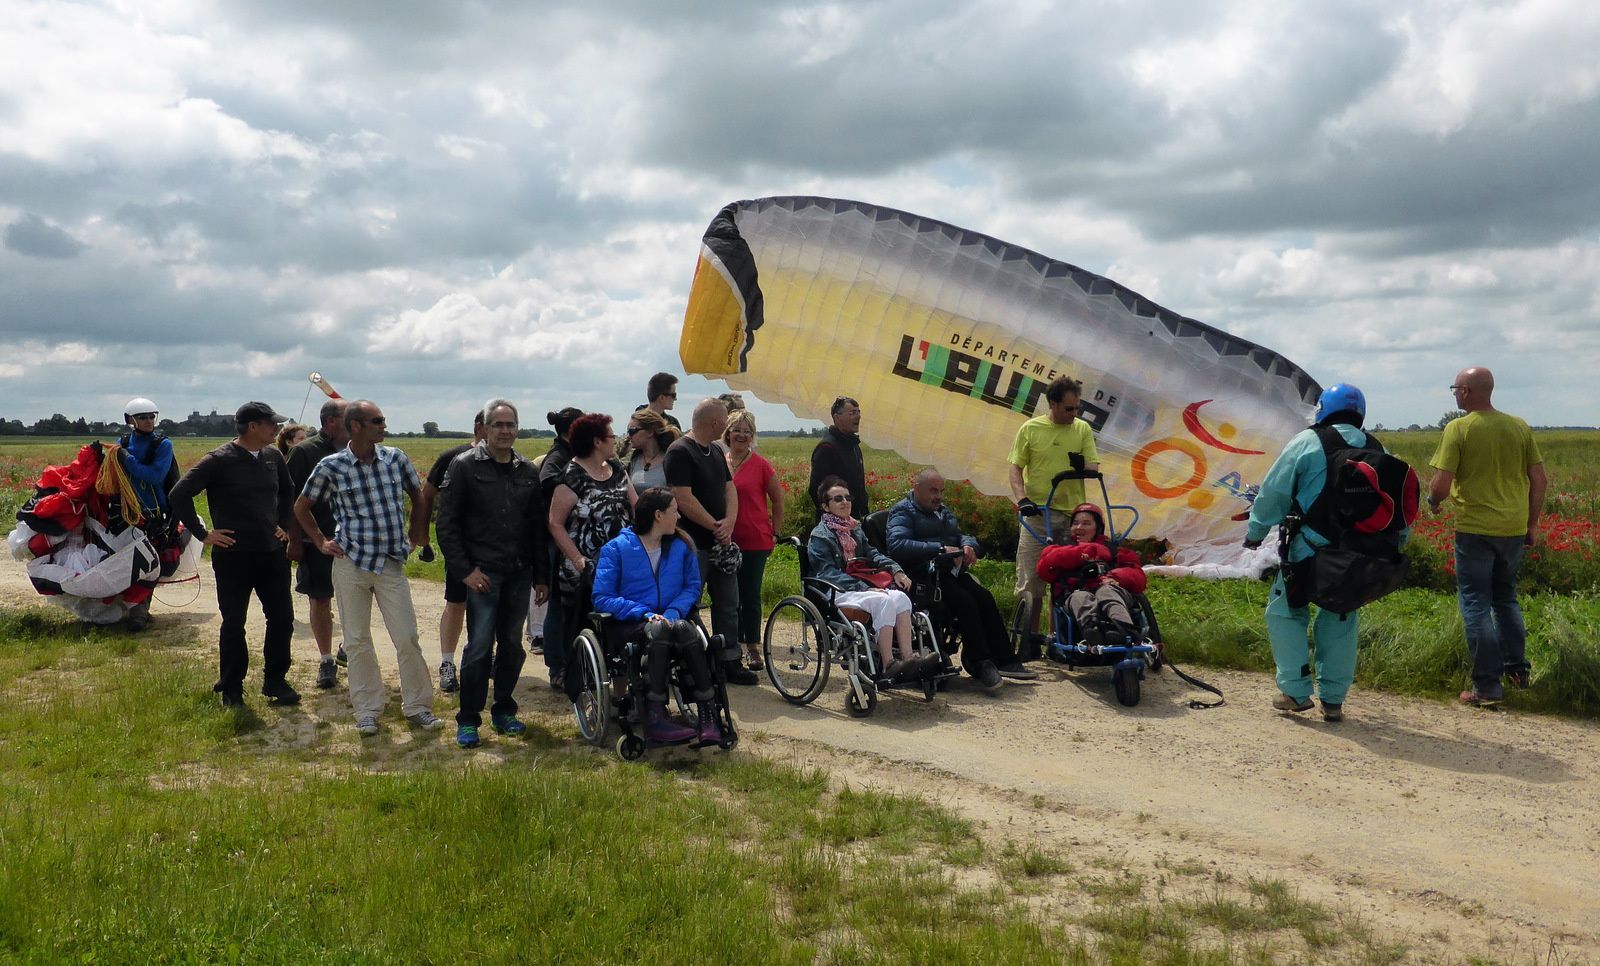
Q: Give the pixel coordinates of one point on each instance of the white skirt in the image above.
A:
(882, 605)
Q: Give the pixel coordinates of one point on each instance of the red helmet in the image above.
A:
(1099, 517)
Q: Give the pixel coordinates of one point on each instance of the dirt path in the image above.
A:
(1459, 831)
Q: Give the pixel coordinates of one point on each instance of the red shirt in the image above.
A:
(753, 528)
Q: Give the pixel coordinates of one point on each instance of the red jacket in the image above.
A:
(1061, 566)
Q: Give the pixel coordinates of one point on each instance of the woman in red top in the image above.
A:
(759, 520)
(1086, 573)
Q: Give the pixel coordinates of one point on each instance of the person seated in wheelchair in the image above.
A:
(840, 554)
(924, 538)
(648, 579)
(1094, 583)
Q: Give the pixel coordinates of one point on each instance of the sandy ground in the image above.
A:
(1461, 832)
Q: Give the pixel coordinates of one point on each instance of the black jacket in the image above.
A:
(250, 495)
(839, 454)
(491, 517)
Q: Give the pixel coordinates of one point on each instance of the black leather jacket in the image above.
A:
(491, 517)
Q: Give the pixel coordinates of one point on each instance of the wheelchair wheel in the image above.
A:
(854, 705)
(630, 747)
(593, 704)
(796, 648)
(1021, 634)
(1125, 679)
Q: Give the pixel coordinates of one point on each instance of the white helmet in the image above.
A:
(137, 405)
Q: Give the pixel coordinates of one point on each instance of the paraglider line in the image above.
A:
(303, 403)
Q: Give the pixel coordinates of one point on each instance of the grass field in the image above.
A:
(142, 823)
(1411, 642)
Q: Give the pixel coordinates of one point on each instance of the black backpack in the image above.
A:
(1370, 497)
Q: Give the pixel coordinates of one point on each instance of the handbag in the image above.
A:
(863, 571)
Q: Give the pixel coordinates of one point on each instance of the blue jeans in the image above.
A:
(1486, 580)
(494, 645)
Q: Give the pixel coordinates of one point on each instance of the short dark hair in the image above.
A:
(332, 409)
(477, 418)
(660, 384)
(650, 502)
(586, 433)
(829, 482)
(1060, 386)
(840, 404)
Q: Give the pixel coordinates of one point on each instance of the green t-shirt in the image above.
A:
(1489, 452)
(1041, 449)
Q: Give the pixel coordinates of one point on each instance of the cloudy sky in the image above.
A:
(429, 201)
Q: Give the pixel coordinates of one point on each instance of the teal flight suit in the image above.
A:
(1297, 477)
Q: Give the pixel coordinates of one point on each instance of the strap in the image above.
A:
(1195, 703)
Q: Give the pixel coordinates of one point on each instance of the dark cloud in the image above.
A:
(32, 235)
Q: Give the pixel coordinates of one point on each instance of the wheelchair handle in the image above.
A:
(1065, 475)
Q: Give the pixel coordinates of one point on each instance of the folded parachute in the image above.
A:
(948, 338)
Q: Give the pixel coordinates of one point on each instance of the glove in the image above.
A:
(425, 554)
(1095, 551)
(1028, 508)
(1252, 544)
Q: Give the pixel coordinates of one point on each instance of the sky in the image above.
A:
(435, 202)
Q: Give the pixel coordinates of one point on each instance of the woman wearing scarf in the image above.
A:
(836, 543)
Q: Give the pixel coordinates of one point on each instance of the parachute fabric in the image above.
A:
(948, 337)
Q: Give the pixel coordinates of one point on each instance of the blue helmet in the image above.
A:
(1341, 397)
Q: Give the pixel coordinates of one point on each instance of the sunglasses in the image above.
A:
(635, 429)
(838, 499)
(374, 421)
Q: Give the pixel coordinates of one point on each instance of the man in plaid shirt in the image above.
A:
(365, 485)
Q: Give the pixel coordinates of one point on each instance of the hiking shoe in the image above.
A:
(989, 676)
(447, 676)
(536, 646)
(507, 724)
(1285, 703)
(1332, 712)
(1477, 700)
(367, 725)
(467, 736)
(425, 720)
(340, 657)
(739, 674)
(279, 692)
(1017, 672)
(707, 729)
(1520, 678)
(327, 673)
(232, 699)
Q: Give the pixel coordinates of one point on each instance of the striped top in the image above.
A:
(368, 503)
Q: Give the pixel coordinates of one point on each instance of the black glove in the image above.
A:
(1028, 508)
(1252, 544)
(425, 554)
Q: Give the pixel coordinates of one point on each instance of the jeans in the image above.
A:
(356, 590)
(1486, 580)
(724, 590)
(556, 645)
(239, 573)
(752, 567)
(984, 636)
(494, 646)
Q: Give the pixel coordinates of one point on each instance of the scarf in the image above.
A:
(843, 528)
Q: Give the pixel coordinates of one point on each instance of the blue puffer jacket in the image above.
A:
(917, 535)
(626, 588)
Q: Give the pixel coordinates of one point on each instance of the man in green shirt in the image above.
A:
(1490, 465)
(1043, 447)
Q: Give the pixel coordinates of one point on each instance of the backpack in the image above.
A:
(1368, 499)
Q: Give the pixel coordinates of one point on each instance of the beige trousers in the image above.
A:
(355, 590)
(1028, 552)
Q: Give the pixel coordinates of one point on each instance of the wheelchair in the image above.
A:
(807, 633)
(1099, 642)
(608, 696)
(926, 594)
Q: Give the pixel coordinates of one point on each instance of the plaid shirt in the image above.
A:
(368, 503)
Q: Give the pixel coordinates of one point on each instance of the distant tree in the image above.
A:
(1413, 428)
(430, 429)
(1452, 414)
(12, 427)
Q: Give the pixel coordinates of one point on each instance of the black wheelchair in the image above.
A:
(606, 679)
(807, 633)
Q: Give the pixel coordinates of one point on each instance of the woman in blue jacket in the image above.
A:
(648, 580)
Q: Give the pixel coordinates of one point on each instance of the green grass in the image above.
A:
(142, 822)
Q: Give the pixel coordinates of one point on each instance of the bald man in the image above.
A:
(1489, 464)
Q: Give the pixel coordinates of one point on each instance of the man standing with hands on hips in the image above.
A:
(250, 495)
(366, 485)
(1490, 465)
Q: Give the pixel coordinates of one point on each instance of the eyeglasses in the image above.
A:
(502, 424)
(837, 499)
(1458, 388)
(609, 436)
(670, 395)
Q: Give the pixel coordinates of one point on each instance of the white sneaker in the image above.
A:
(367, 725)
(425, 720)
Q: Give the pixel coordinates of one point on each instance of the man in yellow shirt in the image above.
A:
(1043, 447)
(1489, 463)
